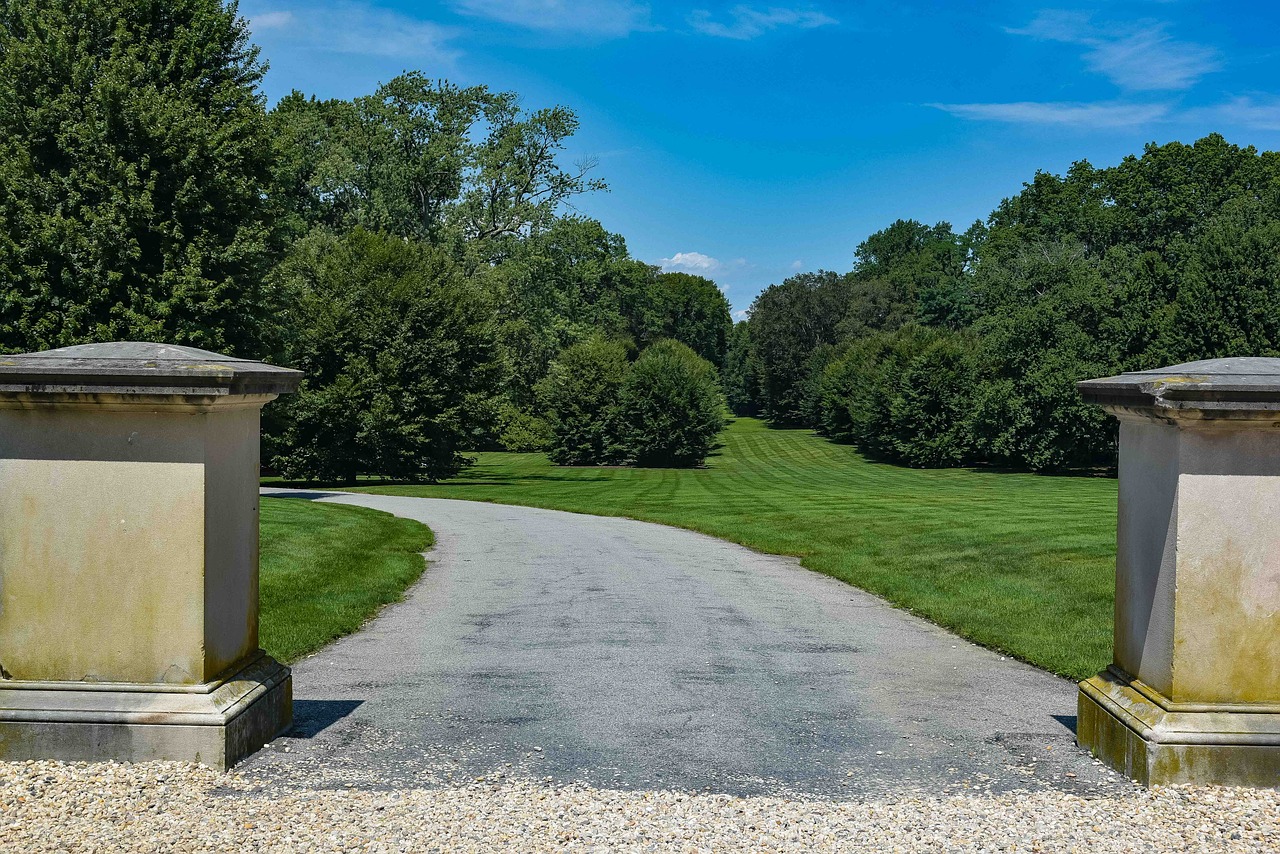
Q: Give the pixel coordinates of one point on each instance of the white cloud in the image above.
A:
(703, 265)
(1242, 112)
(1139, 57)
(742, 315)
(691, 262)
(610, 18)
(797, 266)
(746, 22)
(359, 28)
(271, 20)
(1096, 115)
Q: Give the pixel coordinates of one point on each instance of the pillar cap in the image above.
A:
(140, 368)
(1228, 387)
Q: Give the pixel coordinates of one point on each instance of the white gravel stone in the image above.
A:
(50, 806)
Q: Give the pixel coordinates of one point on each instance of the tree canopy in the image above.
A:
(135, 176)
(399, 352)
(424, 159)
(945, 349)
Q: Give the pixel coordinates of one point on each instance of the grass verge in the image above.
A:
(1021, 563)
(326, 568)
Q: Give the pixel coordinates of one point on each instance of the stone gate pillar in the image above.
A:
(1193, 695)
(129, 556)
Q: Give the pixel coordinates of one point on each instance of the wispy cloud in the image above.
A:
(1242, 112)
(272, 20)
(605, 18)
(1139, 56)
(357, 28)
(747, 22)
(1082, 115)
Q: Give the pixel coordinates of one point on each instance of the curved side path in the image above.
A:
(624, 654)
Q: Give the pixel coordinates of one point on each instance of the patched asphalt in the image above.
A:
(623, 654)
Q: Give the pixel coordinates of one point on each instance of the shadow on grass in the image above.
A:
(1106, 471)
(305, 495)
(280, 483)
(474, 477)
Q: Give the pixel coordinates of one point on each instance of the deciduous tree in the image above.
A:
(670, 407)
(580, 398)
(401, 362)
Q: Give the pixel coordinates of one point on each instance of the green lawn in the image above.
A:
(326, 568)
(1022, 563)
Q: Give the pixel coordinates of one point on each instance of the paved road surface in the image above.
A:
(626, 654)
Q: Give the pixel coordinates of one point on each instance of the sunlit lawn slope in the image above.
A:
(1023, 563)
(327, 567)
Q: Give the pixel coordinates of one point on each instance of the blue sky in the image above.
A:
(746, 141)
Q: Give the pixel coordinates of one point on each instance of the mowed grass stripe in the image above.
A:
(1022, 563)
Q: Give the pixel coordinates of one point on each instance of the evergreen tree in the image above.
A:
(788, 322)
(134, 176)
(739, 375)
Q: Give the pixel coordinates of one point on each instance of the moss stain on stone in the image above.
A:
(1231, 652)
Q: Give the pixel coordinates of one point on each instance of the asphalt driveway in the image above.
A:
(630, 655)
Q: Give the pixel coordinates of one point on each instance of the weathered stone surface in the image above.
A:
(217, 723)
(135, 368)
(1194, 691)
(129, 553)
(1212, 388)
(1140, 733)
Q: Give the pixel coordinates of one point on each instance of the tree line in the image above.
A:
(414, 251)
(943, 349)
(409, 249)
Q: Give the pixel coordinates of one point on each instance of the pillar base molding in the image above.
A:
(1140, 733)
(216, 723)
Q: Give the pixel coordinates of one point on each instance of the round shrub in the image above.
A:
(521, 431)
(670, 409)
(400, 357)
(580, 396)
(904, 396)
